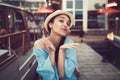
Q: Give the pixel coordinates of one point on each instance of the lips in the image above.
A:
(64, 30)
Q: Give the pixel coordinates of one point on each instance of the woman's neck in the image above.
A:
(55, 39)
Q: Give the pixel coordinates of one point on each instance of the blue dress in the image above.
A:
(45, 68)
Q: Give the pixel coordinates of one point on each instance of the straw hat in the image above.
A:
(58, 12)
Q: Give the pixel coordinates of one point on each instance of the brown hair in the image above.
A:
(57, 49)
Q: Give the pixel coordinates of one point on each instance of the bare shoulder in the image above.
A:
(40, 43)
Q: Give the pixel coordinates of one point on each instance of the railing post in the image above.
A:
(9, 46)
(23, 43)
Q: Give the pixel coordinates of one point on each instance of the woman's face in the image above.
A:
(60, 25)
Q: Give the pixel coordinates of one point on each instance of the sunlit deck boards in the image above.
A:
(91, 67)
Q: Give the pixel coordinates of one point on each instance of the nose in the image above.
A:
(65, 24)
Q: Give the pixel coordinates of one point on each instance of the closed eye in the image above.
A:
(62, 21)
(68, 23)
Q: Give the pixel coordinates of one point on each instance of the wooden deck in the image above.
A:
(90, 64)
(91, 67)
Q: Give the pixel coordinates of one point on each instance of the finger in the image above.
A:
(76, 44)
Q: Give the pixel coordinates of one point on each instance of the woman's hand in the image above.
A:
(61, 57)
(49, 45)
(69, 45)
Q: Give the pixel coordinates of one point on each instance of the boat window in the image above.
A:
(1, 19)
(19, 25)
(11, 22)
(2, 23)
(3, 31)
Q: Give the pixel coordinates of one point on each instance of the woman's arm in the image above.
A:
(61, 61)
(61, 57)
(52, 58)
(43, 56)
(44, 67)
(50, 47)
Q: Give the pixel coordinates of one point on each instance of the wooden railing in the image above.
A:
(8, 36)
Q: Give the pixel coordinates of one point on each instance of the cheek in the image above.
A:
(56, 27)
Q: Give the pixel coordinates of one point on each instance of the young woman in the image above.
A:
(56, 53)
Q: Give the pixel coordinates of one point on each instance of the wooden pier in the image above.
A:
(91, 67)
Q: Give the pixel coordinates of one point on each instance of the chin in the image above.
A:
(63, 34)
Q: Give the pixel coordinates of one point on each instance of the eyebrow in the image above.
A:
(63, 18)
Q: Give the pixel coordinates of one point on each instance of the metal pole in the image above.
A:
(23, 43)
(9, 46)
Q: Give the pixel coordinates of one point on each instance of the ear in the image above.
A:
(50, 25)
